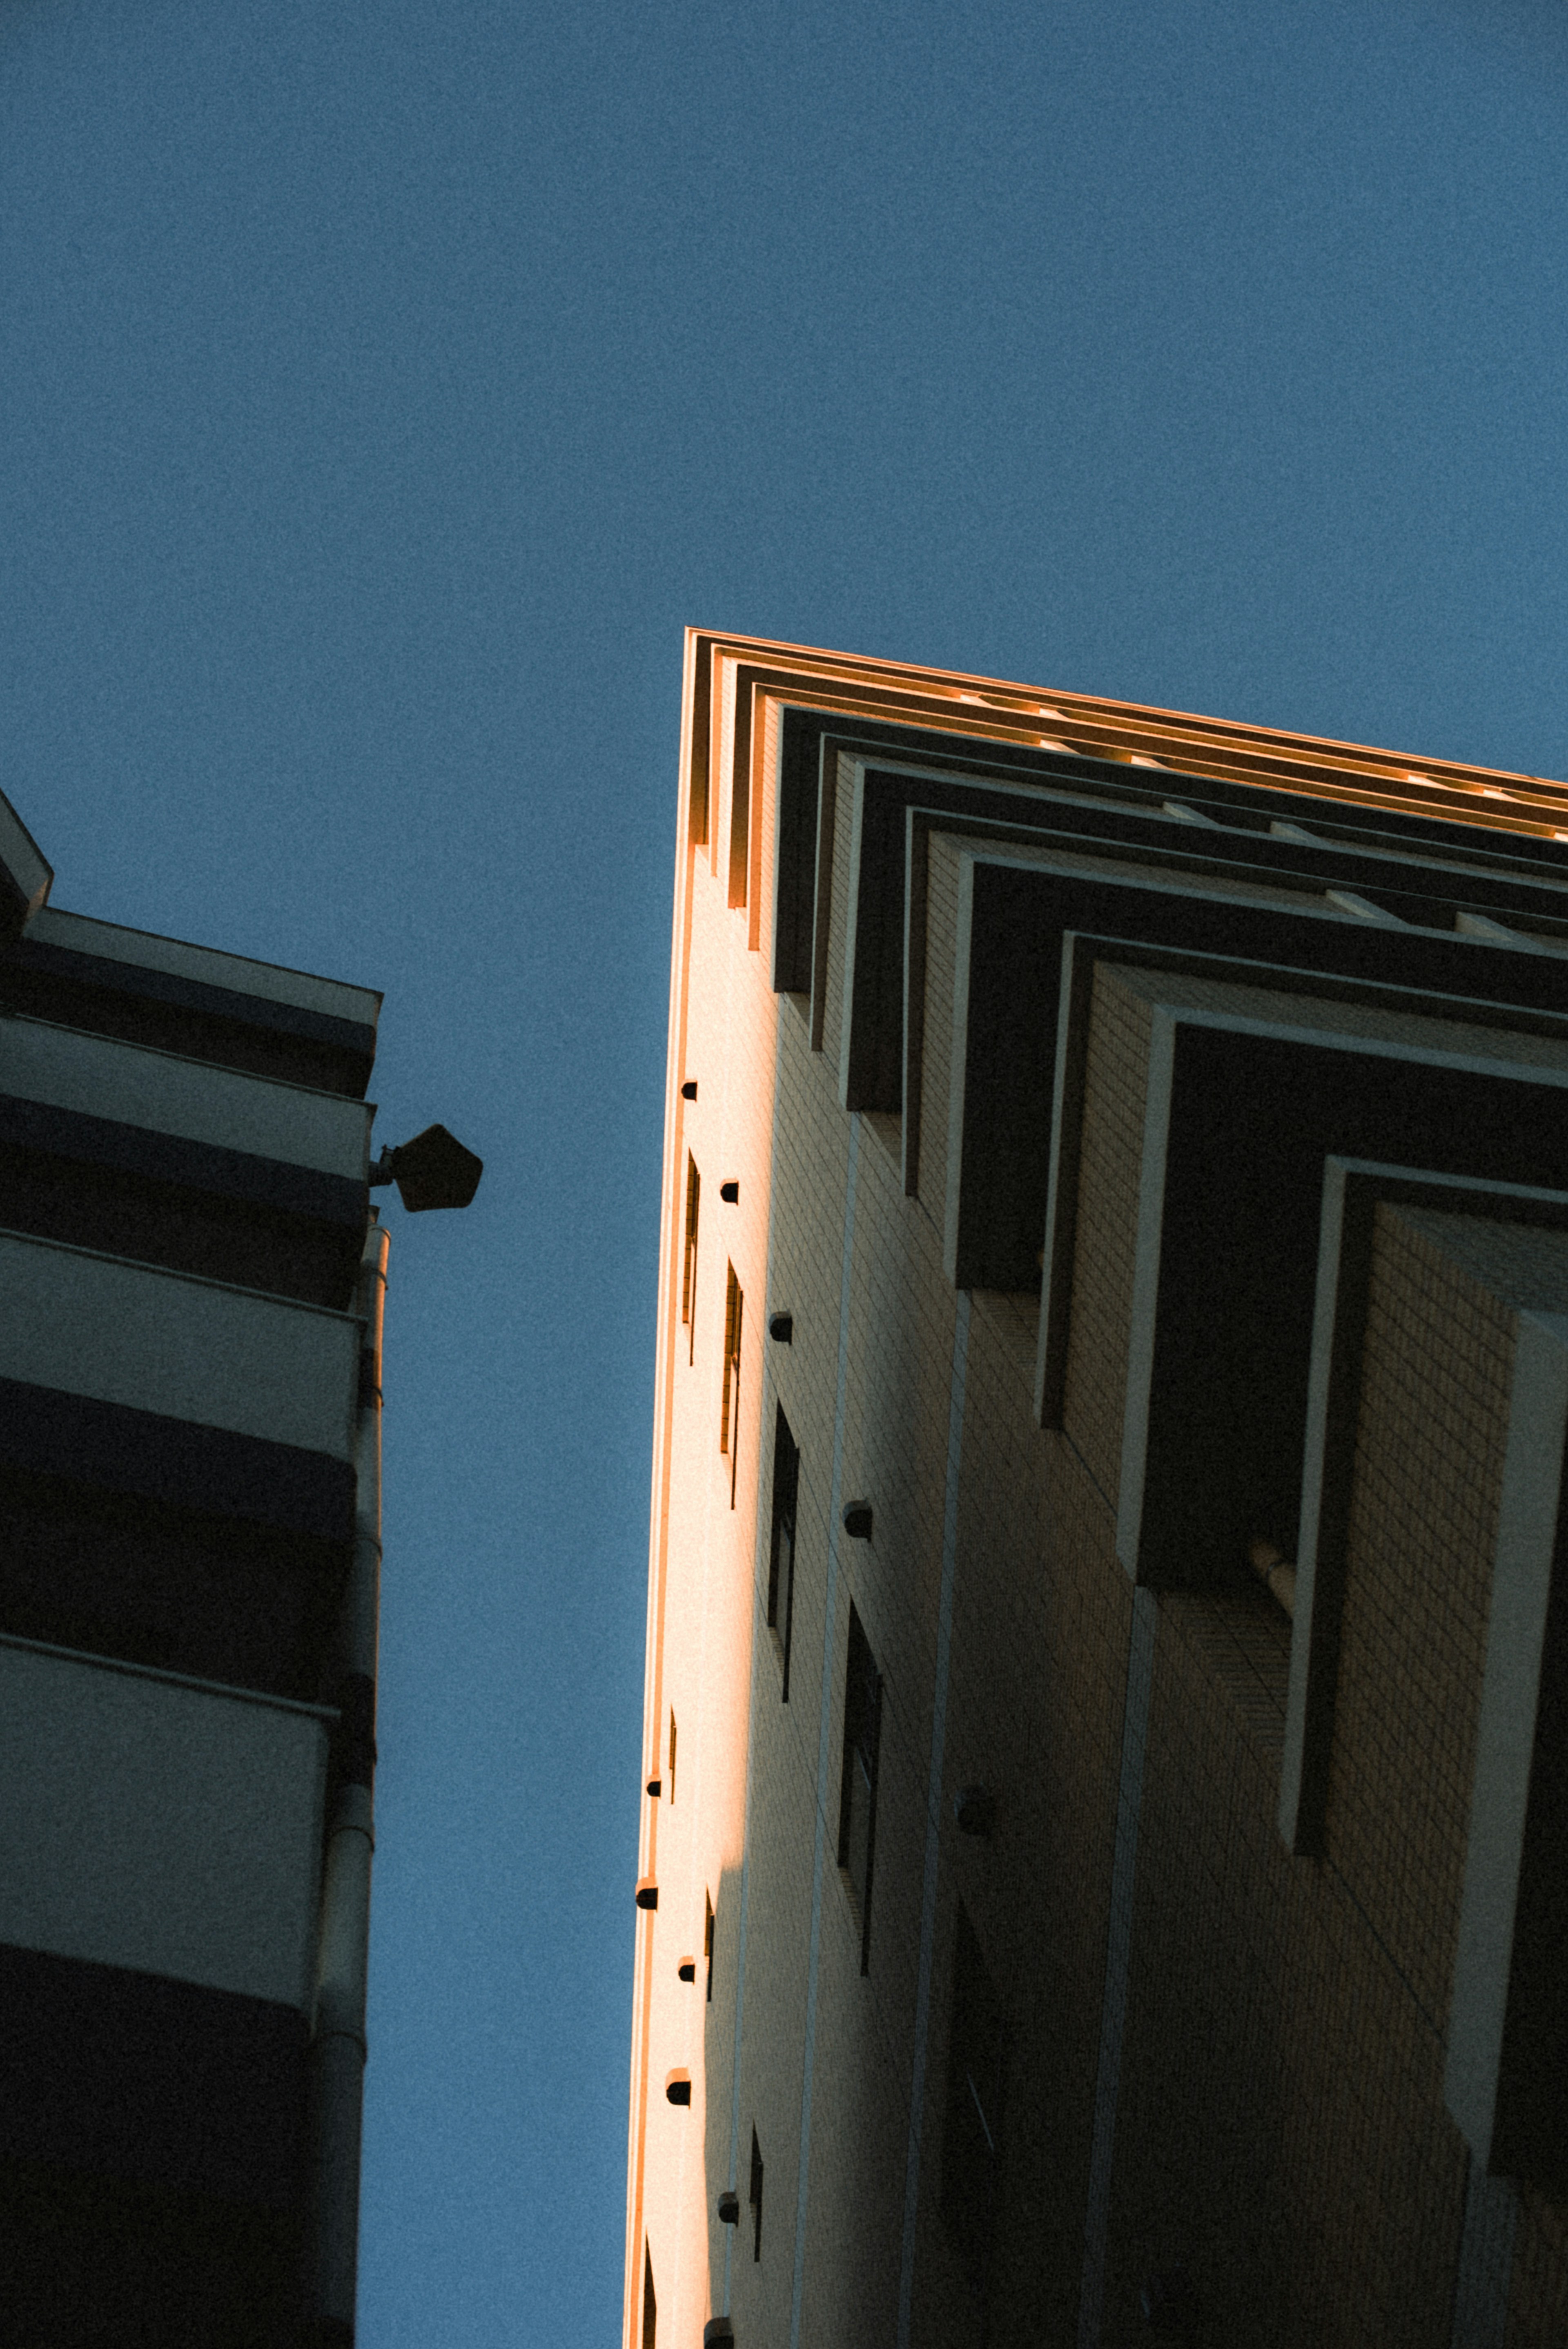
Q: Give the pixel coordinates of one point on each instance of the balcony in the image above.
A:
(159, 1860)
(176, 1466)
(142, 1154)
(192, 999)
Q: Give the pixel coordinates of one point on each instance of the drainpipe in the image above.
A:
(338, 2043)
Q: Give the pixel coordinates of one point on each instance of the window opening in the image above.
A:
(650, 2306)
(756, 2198)
(689, 1273)
(858, 1797)
(707, 1945)
(781, 1551)
(971, 2155)
(729, 1418)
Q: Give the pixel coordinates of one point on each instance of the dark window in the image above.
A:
(672, 1756)
(972, 2135)
(688, 1272)
(729, 1420)
(650, 2307)
(707, 1945)
(756, 2198)
(858, 1799)
(781, 1553)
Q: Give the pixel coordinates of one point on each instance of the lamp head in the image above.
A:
(434, 1170)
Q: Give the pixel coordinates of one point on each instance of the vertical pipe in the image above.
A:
(337, 2044)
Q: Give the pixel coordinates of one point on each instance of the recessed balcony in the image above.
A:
(177, 1483)
(160, 1864)
(148, 1154)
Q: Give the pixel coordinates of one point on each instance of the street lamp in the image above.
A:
(434, 1170)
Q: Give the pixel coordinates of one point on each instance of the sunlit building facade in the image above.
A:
(190, 1384)
(1101, 1860)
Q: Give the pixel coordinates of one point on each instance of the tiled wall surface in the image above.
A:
(1435, 1378)
(1109, 1167)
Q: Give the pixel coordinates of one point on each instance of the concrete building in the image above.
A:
(1102, 1855)
(190, 1284)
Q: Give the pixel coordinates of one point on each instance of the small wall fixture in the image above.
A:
(688, 1970)
(678, 2088)
(729, 1193)
(647, 1893)
(781, 1325)
(655, 1787)
(1273, 1568)
(857, 1521)
(688, 1090)
(975, 1810)
(729, 2209)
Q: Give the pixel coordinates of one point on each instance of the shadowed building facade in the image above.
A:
(191, 1276)
(1102, 1855)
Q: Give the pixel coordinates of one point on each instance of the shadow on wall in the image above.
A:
(715, 1987)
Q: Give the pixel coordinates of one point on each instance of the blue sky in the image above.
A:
(383, 388)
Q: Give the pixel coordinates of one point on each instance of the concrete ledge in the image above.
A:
(132, 1335)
